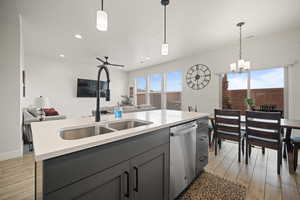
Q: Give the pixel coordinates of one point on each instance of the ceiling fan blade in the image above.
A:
(116, 65)
(100, 60)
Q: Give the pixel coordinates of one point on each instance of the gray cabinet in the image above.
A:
(151, 174)
(201, 144)
(112, 184)
(136, 168)
(144, 177)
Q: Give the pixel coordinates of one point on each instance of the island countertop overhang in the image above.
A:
(48, 142)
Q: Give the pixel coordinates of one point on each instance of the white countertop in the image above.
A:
(48, 143)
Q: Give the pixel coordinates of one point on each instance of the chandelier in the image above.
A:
(241, 65)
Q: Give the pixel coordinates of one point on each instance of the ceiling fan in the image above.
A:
(106, 63)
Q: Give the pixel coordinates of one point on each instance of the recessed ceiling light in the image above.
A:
(78, 36)
(147, 58)
(61, 55)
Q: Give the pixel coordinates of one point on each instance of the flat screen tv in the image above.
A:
(87, 88)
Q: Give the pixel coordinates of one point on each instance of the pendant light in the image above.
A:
(102, 19)
(241, 65)
(165, 46)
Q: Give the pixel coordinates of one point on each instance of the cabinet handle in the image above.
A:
(136, 188)
(127, 184)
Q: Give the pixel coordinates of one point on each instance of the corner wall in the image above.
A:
(10, 71)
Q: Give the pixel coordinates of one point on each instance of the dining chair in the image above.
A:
(263, 129)
(228, 127)
(296, 148)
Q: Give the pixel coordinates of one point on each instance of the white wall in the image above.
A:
(57, 80)
(10, 118)
(270, 51)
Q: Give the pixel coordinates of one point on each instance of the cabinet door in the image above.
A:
(150, 173)
(112, 184)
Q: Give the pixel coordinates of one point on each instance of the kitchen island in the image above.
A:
(128, 158)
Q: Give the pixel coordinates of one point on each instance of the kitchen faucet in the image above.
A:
(107, 93)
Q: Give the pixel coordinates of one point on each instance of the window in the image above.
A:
(141, 85)
(237, 81)
(235, 91)
(141, 89)
(174, 81)
(141, 99)
(155, 90)
(173, 90)
(267, 78)
(163, 91)
(266, 88)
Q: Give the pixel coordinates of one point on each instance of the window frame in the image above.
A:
(136, 92)
(168, 92)
(166, 84)
(285, 86)
(161, 83)
(157, 92)
(136, 88)
(163, 90)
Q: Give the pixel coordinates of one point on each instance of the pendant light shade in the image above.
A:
(102, 19)
(164, 49)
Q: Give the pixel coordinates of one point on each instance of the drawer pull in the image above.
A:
(127, 184)
(136, 188)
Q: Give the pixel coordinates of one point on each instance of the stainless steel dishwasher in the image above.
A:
(182, 157)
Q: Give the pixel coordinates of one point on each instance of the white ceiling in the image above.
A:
(135, 27)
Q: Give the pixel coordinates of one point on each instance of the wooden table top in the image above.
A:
(286, 123)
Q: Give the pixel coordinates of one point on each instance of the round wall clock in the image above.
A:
(198, 76)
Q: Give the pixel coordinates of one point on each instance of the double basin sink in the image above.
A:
(109, 127)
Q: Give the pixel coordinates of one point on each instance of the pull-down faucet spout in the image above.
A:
(107, 92)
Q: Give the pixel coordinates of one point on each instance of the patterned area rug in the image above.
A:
(210, 187)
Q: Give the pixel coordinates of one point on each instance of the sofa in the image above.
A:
(32, 114)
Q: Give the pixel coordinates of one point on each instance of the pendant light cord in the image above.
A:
(240, 42)
(102, 5)
(165, 24)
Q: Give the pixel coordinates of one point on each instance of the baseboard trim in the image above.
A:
(10, 155)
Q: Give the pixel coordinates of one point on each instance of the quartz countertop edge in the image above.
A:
(49, 144)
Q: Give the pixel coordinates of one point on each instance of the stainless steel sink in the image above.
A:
(127, 124)
(74, 134)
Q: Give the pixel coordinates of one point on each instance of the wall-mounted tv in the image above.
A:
(87, 88)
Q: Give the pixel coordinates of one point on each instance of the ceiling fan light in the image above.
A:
(164, 49)
(102, 20)
(233, 67)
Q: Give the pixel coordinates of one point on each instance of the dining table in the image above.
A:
(288, 125)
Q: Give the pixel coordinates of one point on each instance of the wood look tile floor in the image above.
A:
(17, 178)
(260, 176)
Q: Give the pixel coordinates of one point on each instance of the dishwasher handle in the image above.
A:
(182, 130)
